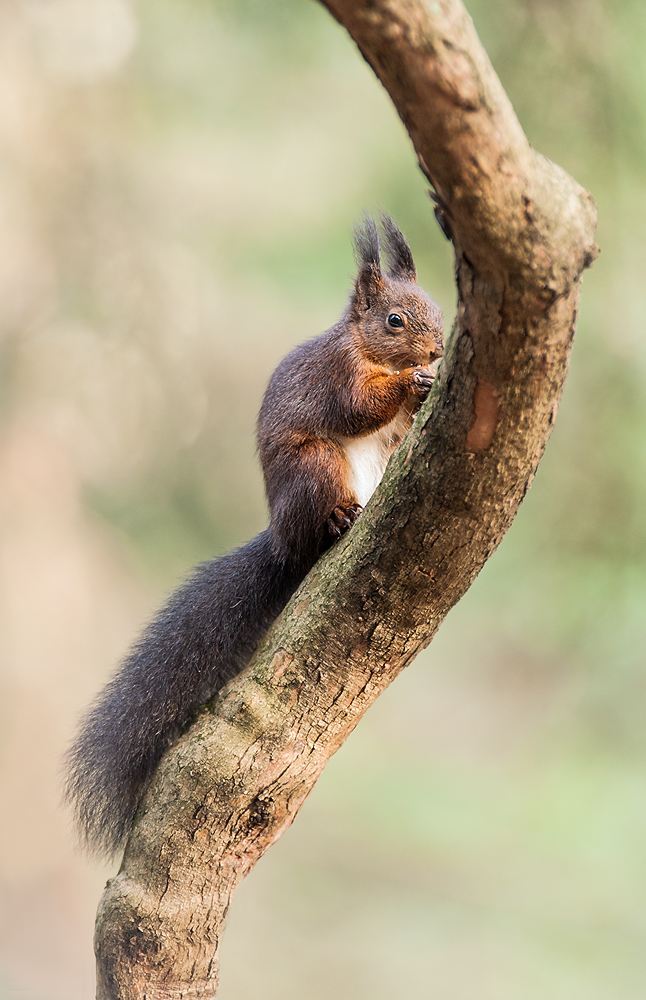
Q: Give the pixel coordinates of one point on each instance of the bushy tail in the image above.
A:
(203, 636)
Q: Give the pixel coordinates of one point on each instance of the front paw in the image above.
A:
(423, 379)
(342, 518)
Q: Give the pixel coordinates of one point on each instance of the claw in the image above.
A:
(342, 518)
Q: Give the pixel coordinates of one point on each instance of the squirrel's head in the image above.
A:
(399, 324)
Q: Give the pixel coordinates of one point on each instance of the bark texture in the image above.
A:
(523, 232)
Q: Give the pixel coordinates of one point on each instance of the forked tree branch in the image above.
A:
(523, 233)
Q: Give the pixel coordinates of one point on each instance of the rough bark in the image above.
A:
(523, 234)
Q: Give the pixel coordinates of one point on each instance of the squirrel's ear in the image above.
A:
(366, 248)
(398, 252)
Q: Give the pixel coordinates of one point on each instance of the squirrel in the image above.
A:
(334, 411)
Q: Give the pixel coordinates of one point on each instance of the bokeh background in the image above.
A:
(178, 179)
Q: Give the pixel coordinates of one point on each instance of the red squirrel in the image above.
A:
(334, 411)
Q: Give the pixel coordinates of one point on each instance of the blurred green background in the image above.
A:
(178, 180)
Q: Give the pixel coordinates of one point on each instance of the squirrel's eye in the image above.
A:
(395, 321)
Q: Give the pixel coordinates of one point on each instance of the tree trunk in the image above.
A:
(523, 233)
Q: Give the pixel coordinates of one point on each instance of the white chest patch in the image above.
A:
(368, 456)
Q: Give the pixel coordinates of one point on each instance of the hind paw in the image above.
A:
(342, 518)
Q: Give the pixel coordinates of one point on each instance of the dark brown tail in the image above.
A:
(204, 635)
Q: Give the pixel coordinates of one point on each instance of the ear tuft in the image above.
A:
(366, 243)
(398, 252)
(367, 253)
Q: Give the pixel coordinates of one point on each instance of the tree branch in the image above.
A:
(523, 234)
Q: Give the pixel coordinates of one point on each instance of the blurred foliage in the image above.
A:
(177, 185)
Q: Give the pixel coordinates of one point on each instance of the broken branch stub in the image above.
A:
(523, 232)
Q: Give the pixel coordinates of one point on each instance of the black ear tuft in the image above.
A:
(366, 243)
(398, 252)
(367, 253)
